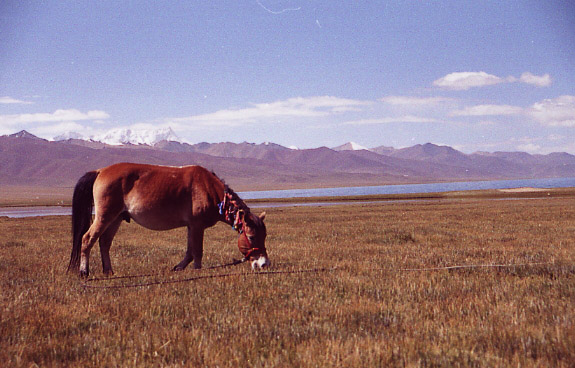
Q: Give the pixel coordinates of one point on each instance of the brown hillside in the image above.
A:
(31, 161)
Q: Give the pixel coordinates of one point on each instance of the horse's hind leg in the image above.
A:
(88, 241)
(106, 243)
(96, 230)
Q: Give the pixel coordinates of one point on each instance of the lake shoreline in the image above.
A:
(24, 211)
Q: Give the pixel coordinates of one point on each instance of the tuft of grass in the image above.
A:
(373, 310)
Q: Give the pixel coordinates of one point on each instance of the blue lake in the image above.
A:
(411, 188)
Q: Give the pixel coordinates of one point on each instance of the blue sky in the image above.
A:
(475, 75)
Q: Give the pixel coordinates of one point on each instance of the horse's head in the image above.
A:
(252, 240)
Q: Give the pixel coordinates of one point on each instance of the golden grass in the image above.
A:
(367, 313)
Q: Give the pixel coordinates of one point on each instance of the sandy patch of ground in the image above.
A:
(522, 190)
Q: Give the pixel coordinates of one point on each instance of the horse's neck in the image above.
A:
(235, 199)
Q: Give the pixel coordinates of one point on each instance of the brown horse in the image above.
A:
(159, 198)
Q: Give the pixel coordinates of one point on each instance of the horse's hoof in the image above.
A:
(178, 268)
(83, 275)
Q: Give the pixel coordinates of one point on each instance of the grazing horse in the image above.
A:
(159, 198)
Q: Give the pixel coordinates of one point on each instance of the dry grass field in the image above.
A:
(373, 310)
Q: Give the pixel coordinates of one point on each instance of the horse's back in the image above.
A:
(129, 173)
(157, 197)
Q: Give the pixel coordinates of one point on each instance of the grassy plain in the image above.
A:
(371, 311)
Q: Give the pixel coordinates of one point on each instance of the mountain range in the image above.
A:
(28, 160)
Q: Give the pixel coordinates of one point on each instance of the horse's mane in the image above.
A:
(234, 196)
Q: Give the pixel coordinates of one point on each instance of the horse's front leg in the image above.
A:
(195, 249)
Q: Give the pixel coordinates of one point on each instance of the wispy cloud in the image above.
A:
(276, 12)
(10, 100)
(461, 81)
(416, 101)
(297, 107)
(529, 147)
(488, 110)
(389, 120)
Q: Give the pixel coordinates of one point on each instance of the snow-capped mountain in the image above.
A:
(120, 136)
(128, 136)
(350, 146)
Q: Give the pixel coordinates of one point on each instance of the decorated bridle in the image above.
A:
(232, 208)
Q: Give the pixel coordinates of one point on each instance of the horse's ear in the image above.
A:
(262, 215)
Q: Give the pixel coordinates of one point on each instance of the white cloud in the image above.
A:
(297, 107)
(467, 80)
(415, 101)
(488, 110)
(539, 81)
(56, 116)
(388, 120)
(10, 100)
(559, 111)
(49, 125)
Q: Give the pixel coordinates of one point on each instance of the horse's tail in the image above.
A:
(82, 205)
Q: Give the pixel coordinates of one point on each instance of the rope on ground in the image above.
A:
(232, 263)
(473, 266)
(86, 284)
(200, 277)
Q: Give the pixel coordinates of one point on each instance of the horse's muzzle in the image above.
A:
(260, 263)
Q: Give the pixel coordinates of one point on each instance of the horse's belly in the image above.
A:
(158, 218)
(158, 221)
